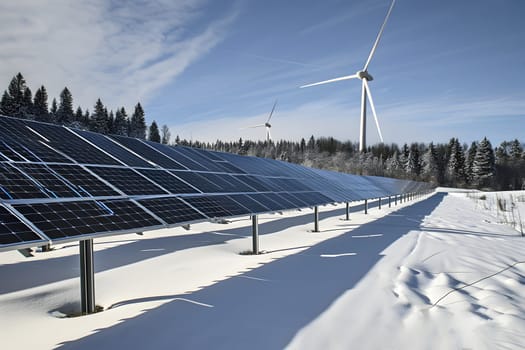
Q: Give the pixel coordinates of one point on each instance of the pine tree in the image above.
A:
(153, 134)
(40, 107)
(429, 168)
(516, 150)
(120, 124)
(65, 114)
(14, 102)
(165, 134)
(111, 122)
(138, 123)
(483, 165)
(78, 119)
(99, 121)
(469, 164)
(27, 109)
(456, 163)
(53, 111)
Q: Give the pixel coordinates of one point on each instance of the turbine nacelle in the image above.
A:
(363, 74)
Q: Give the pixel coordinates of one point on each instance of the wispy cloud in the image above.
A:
(122, 52)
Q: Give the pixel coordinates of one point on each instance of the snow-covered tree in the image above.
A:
(483, 165)
(165, 134)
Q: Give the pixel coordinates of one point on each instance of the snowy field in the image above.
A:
(441, 272)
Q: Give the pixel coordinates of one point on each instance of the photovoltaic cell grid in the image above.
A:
(72, 184)
(172, 210)
(13, 231)
(61, 220)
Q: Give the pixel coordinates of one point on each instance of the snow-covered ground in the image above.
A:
(437, 273)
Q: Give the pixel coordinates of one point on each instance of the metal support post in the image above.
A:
(395, 199)
(87, 277)
(389, 202)
(255, 234)
(379, 203)
(316, 219)
(347, 211)
(366, 206)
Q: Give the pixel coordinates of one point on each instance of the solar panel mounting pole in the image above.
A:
(87, 277)
(379, 203)
(255, 235)
(316, 219)
(347, 211)
(389, 202)
(366, 206)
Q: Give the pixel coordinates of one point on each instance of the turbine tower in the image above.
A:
(365, 89)
(267, 125)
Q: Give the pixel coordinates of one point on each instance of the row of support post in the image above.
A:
(87, 272)
(87, 277)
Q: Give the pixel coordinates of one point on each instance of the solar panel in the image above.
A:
(208, 164)
(83, 181)
(64, 220)
(68, 143)
(26, 145)
(114, 149)
(172, 210)
(53, 184)
(173, 153)
(128, 181)
(15, 185)
(70, 184)
(198, 181)
(15, 232)
(140, 147)
(217, 206)
(251, 204)
(268, 200)
(168, 181)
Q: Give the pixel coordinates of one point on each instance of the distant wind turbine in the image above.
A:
(365, 90)
(267, 125)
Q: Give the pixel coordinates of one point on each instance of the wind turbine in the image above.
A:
(267, 125)
(365, 89)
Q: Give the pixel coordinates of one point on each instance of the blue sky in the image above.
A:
(208, 69)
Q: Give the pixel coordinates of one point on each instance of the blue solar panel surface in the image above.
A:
(59, 184)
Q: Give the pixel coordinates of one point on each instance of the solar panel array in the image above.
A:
(59, 184)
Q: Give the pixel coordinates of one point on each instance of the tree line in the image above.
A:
(478, 165)
(18, 101)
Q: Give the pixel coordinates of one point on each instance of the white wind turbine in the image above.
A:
(365, 91)
(267, 125)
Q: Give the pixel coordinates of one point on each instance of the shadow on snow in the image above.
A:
(265, 307)
(61, 268)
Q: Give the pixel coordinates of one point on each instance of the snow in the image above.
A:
(435, 273)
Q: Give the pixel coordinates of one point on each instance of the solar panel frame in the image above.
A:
(16, 233)
(84, 181)
(172, 210)
(114, 148)
(146, 151)
(128, 181)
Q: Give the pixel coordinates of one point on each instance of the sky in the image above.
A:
(209, 69)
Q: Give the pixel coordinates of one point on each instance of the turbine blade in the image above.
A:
(253, 126)
(331, 80)
(271, 113)
(379, 36)
(365, 83)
